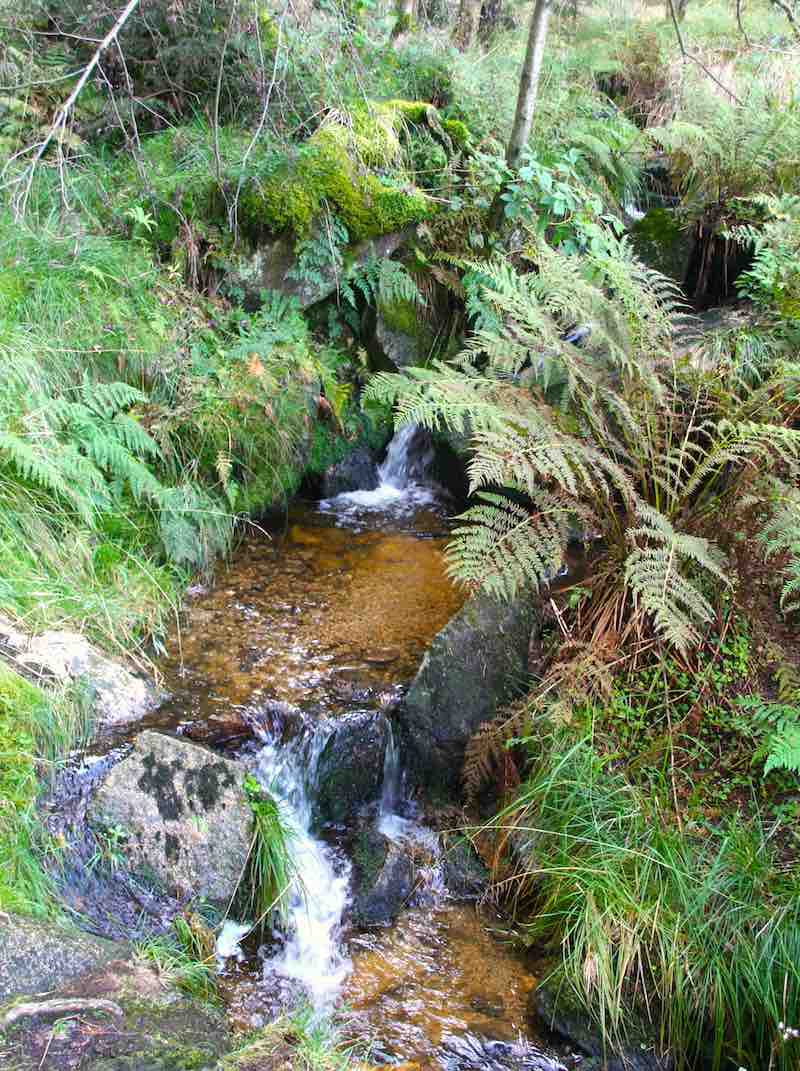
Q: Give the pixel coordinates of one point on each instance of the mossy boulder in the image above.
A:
(663, 242)
(474, 665)
(325, 170)
(398, 335)
(130, 1021)
(269, 262)
(36, 956)
(181, 814)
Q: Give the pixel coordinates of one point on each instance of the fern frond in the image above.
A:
(653, 571)
(505, 547)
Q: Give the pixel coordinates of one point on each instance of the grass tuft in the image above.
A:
(697, 934)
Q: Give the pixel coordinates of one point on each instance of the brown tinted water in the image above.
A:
(332, 613)
(437, 973)
(325, 616)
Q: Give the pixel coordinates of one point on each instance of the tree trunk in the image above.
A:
(529, 82)
(679, 7)
(466, 31)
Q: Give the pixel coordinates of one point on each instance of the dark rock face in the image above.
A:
(385, 876)
(349, 767)
(273, 266)
(475, 664)
(181, 813)
(357, 472)
(465, 875)
(554, 1010)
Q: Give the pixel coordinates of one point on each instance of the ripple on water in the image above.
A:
(434, 974)
(319, 615)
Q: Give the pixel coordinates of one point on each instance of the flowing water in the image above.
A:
(333, 614)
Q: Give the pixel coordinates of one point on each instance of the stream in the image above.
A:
(332, 615)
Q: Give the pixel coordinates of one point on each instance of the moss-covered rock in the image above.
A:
(330, 168)
(158, 1030)
(473, 666)
(349, 772)
(662, 242)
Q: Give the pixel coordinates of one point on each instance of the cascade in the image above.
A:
(408, 462)
(312, 953)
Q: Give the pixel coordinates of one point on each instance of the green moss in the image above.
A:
(322, 171)
(457, 131)
(413, 111)
(401, 316)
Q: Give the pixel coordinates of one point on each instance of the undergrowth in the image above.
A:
(271, 877)
(37, 731)
(184, 959)
(699, 935)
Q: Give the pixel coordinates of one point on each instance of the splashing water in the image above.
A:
(312, 953)
(408, 460)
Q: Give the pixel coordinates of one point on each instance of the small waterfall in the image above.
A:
(408, 463)
(392, 776)
(408, 458)
(312, 953)
(403, 830)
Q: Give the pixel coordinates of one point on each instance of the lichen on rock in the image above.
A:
(182, 814)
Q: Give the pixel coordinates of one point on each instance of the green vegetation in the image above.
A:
(302, 1041)
(37, 730)
(271, 877)
(185, 958)
(695, 933)
(157, 395)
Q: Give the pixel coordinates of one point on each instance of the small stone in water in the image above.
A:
(381, 655)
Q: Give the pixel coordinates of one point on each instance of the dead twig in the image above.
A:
(688, 56)
(59, 123)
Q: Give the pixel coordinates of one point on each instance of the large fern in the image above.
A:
(615, 437)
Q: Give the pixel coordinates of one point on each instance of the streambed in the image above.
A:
(332, 614)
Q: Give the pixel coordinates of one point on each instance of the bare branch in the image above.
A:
(688, 56)
(787, 10)
(60, 121)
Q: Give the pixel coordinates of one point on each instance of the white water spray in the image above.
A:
(312, 953)
(399, 488)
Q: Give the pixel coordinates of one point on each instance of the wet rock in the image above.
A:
(475, 664)
(385, 878)
(349, 769)
(472, 1053)
(554, 1009)
(397, 346)
(356, 472)
(663, 241)
(465, 876)
(181, 815)
(36, 957)
(118, 695)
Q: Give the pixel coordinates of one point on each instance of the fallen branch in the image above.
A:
(59, 1007)
(60, 121)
